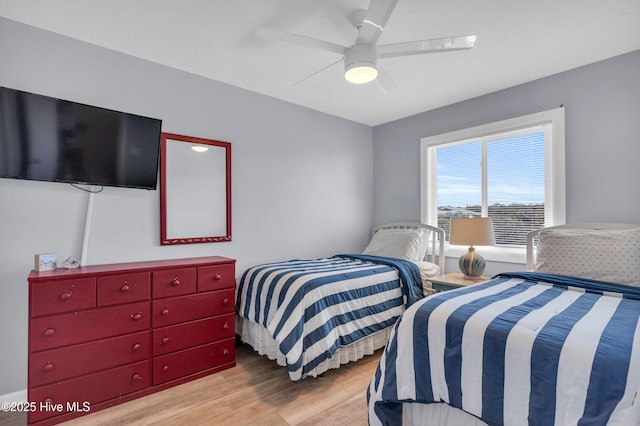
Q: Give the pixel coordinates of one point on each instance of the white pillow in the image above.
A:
(427, 269)
(408, 244)
(611, 255)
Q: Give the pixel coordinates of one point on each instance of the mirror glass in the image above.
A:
(195, 190)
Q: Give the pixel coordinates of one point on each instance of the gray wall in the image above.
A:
(302, 180)
(602, 123)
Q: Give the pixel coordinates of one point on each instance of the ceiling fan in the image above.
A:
(361, 58)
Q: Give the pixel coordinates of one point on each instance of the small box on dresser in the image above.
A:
(105, 334)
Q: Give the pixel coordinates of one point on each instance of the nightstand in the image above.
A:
(453, 280)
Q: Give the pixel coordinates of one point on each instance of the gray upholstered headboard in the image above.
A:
(533, 235)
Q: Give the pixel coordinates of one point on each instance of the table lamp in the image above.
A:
(471, 231)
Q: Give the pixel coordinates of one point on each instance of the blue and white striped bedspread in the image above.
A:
(312, 307)
(523, 348)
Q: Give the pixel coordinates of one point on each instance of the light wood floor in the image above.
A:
(255, 392)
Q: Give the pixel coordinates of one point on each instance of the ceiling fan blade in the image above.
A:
(300, 40)
(375, 20)
(317, 72)
(384, 81)
(447, 44)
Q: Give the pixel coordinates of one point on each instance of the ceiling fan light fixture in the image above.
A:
(361, 58)
(361, 73)
(360, 64)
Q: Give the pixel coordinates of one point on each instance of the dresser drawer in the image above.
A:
(62, 296)
(216, 277)
(174, 282)
(60, 364)
(83, 326)
(192, 307)
(194, 333)
(94, 388)
(183, 363)
(123, 288)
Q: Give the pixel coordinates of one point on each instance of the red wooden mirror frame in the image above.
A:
(166, 239)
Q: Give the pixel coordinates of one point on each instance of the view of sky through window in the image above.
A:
(515, 172)
(515, 178)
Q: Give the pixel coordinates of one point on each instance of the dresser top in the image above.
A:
(129, 267)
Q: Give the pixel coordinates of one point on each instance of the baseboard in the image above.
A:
(19, 396)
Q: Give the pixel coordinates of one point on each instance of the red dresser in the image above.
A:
(105, 334)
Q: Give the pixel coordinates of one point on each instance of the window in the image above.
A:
(511, 171)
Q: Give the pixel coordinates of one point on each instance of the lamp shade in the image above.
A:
(473, 231)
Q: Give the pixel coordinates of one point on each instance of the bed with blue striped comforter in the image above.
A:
(313, 307)
(522, 348)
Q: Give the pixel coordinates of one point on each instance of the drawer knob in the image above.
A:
(49, 332)
(165, 368)
(164, 312)
(65, 296)
(48, 400)
(136, 347)
(48, 367)
(175, 282)
(125, 288)
(225, 352)
(225, 326)
(225, 301)
(165, 340)
(137, 316)
(217, 277)
(136, 377)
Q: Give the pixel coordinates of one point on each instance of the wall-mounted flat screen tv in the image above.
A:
(49, 139)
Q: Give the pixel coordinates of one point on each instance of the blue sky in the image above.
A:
(515, 172)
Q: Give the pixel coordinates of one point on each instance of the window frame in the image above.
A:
(554, 160)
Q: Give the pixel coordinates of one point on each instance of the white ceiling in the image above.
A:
(518, 41)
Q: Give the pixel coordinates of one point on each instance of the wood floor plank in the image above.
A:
(344, 412)
(8, 418)
(363, 420)
(255, 392)
(331, 390)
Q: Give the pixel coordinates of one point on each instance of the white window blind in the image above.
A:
(501, 177)
(511, 171)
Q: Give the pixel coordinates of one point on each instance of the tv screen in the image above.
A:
(49, 139)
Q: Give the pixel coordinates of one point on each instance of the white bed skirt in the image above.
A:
(437, 414)
(259, 338)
